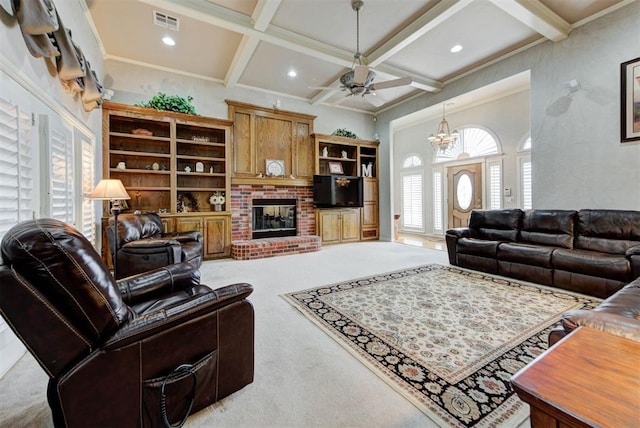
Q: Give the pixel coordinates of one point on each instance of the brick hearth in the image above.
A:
(243, 247)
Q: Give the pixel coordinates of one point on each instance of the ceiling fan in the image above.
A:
(359, 80)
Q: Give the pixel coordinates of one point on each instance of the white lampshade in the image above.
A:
(109, 189)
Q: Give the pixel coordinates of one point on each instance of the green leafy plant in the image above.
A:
(162, 101)
(344, 133)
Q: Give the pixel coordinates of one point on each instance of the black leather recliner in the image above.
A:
(143, 246)
(109, 347)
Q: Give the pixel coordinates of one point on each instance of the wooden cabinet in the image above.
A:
(261, 134)
(354, 157)
(335, 225)
(217, 237)
(171, 163)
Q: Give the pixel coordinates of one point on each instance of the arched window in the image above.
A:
(412, 193)
(412, 161)
(473, 142)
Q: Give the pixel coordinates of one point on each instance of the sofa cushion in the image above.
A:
(535, 255)
(607, 231)
(495, 225)
(592, 263)
(548, 227)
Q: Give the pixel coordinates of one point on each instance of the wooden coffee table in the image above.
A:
(590, 378)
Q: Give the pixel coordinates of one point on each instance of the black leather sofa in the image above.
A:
(594, 252)
(618, 315)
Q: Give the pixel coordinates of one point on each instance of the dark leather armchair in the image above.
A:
(142, 246)
(110, 348)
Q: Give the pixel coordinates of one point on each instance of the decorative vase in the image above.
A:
(217, 207)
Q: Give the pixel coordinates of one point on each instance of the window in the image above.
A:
(495, 185)
(86, 206)
(58, 169)
(412, 193)
(473, 142)
(16, 169)
(437, 201)
(16, 166)
(412, 161)
(525, 183)
(412, 201)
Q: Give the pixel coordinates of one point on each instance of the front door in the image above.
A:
(465, 193)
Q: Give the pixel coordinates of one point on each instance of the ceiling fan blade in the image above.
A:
(360, 73)
(374, 99)
(403, 81)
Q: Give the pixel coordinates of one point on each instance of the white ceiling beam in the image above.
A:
(261, 17)
(536, 16)
(418, 28)
(264, 13)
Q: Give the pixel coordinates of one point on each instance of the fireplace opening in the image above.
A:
(273, 218)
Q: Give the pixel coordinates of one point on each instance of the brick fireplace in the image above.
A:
(244, 247)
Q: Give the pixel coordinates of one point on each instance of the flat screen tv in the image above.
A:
(337, 191)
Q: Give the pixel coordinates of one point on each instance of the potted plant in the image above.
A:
(162, 101)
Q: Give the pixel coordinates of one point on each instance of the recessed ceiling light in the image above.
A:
(292, 73)
(168, 41)
(456, 48)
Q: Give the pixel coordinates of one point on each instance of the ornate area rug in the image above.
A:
(447, 339)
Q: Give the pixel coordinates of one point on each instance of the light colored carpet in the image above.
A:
(303, 378)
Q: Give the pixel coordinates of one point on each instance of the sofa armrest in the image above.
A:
(633, 255)
(159, 281)
(605, 321)
(459, 232)
(452, 237)
(150, 243)
(184, 236)
(162, 320)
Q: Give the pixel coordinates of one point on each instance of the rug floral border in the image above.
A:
(462, 403)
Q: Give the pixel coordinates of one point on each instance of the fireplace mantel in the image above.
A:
(272, 181)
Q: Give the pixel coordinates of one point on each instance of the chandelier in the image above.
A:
(444, 139)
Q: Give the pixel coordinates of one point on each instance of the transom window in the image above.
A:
(412, 161)
(473, 142)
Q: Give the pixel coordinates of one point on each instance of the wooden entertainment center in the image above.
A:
(171, 163)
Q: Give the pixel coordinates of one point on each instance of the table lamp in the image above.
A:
(114, 191)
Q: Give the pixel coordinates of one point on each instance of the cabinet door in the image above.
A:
(167, 224)
(188, 224)
(329, 226)
(217, 239)
(370, 189)
(305, 152)
(350, 225)
(370, 214)
(243, 146)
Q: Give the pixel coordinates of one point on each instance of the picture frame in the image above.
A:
(630, 100)
(335, 168)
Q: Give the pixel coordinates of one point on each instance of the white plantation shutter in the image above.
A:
(495, 185)
(437, 201)
(59, 204)
(16, 169)
(87, 214)
(16, 166)
(525, 183)
(412, 201)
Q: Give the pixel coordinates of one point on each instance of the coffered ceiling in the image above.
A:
(255, 43)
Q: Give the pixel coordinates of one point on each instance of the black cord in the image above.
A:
(184, 368)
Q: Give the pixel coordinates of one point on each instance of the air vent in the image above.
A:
(165, 21)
